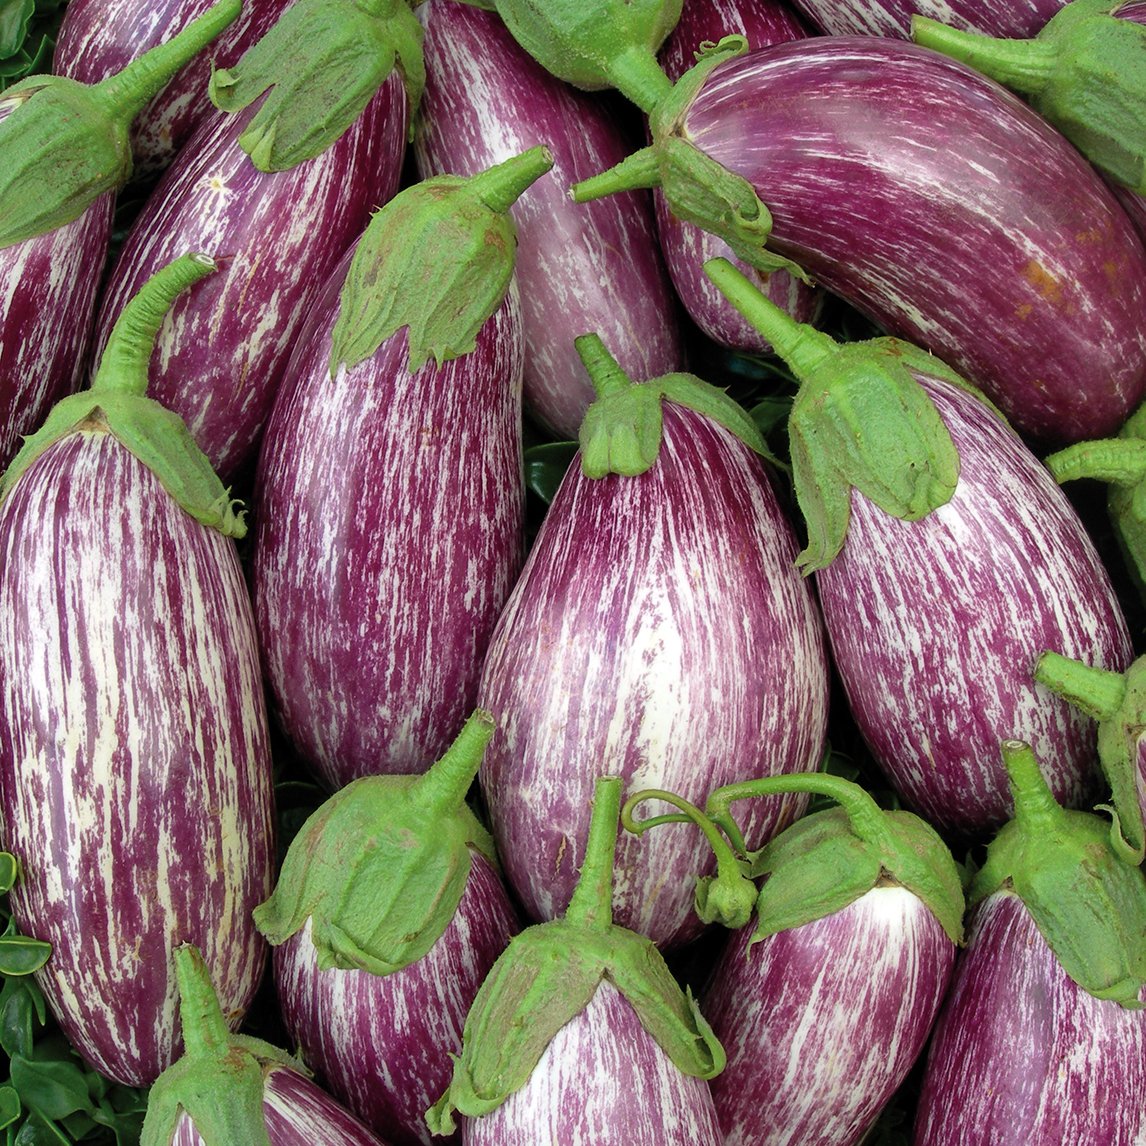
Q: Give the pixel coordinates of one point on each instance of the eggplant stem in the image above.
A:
(443, 788)
(636, 74)
(1096, 691)
(500, 186)
(604, 370)
(639, 171)
(591, 904)
(1023, 65)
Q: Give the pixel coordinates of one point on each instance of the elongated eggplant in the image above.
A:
(659, 630)
(390, 491)
(222, 351)
(99, 37)
(580, 267)
(939, 205)
(135, 769)
(686, 246)
(1018, 18)
(1042, 1039)
(935, 626)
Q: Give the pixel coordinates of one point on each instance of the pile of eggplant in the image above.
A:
(556, 584)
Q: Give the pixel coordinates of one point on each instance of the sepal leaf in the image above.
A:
(380, 867)
(321, 64)
(437, 259)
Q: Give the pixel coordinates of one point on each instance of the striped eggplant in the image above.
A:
(823, 1006)
(660, 631)
(99, 37)
(1018, 18)
(223, 350)
(390, 494)
(383, 1043)
(935, 202)
(580, 1033)
(236, 1090)
(1042, 1038)
(935, 626)
(135, 773)
(686, 246)
(590, 267)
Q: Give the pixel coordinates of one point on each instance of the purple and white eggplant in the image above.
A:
(947, 560)
(1018, 18)
(825, 1004)
(1042, 1039)
(231, 1089)
(390, 488)
(659, 630)
(99, 37)
(579, 267)
(686, 246)
(135, 770)
(580, 1033)
(222, 352)
(932, 200)
(388, 916)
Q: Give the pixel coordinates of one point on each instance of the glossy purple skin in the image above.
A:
(935, 627)
(135, 771)
(581, 268)
(686, 247)
(659, 632)
(603, 1080)
(48, 287)
(821, 1023)
(383, 1043)
(1021, 1053)
(390, 528)
(1019, 19)
(223, 348)
(948, 212)
(297, 1113)
(100, 37)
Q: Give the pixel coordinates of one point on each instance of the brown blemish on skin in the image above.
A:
(1043, 281)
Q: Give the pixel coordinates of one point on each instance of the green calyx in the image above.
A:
(1088, 903)
(116, 403)
(860, 420)
(548, 975)
(696, 188)
(821, 863)
(595, 44)
(1120, 461)
(65, 143)
(322, 63)
(437, 260)
(622, 430)
(1118, 702)
(1085, 73)
(219, 1080)
(379, 869)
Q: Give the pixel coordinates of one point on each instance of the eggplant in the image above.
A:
(660, 631)
(99, 37)
(1015, 18)
(580, 1033)
(934, 202)
(223, 350)
(230, 1089)
(686, 246)
(390, 489)
(592, 267)
(135, 772)
(388, 915)
(935, 626)
(1042, 1038)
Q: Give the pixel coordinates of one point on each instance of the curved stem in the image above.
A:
(443, 788)
(592, 902)
(1120, 461)
(638, 77)
(129, 90)
(603, 369)
(801, 346)
(864, 814)
(1035, 804)
(1097, 692)
(500, 186)
(639, 171)
(205, 1031)
(124, 365)
(1024, 65)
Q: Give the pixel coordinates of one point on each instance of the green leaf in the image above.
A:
(21, 954)
(9, 871)
(53, 1087)
(15, 15)
(10, 1106)
(20, 1003)
(545, 467)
